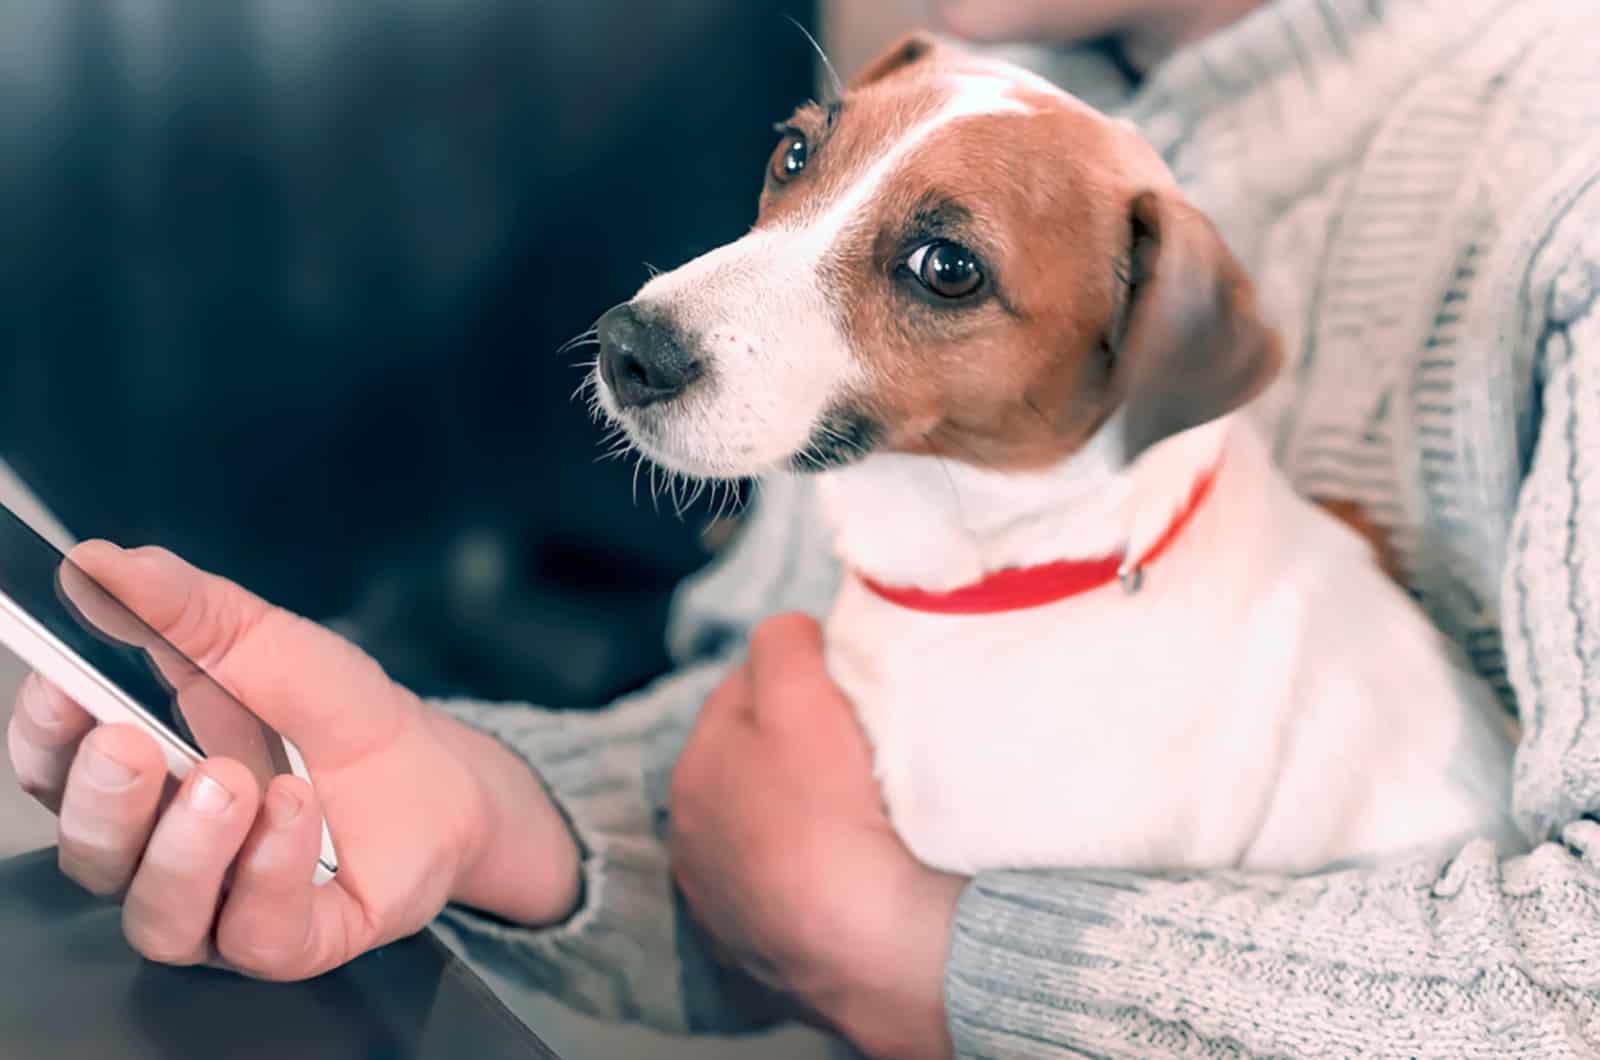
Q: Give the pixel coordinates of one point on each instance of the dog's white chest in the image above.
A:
(1032, 738)
(1248, 707)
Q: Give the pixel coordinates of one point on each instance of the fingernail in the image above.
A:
(283, 807)
(105, 772)
(209, 797)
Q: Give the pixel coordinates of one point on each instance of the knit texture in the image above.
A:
(629, 953)
(1416, 186)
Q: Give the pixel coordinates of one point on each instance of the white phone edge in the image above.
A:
(67, 670)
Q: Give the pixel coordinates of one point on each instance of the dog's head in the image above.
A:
(955, 258)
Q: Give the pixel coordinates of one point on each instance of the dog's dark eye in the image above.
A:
(947, 269)
(791, 158)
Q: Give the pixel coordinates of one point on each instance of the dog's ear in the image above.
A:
(913, 47)
(1189, 346)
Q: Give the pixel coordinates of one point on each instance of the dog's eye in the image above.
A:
(947, 269)
(791, 159)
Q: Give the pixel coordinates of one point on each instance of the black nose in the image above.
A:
(642, 358)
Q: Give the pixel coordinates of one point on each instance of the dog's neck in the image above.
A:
(937, 524)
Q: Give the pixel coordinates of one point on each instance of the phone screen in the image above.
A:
(129, 654)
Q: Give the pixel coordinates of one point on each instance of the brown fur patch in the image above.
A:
(1021, 374)
(1009, 380)
(1009, 377)
(840, 153)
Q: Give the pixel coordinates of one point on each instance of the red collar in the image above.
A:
(1020, 588)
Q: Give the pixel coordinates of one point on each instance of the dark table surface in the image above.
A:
(70, 987)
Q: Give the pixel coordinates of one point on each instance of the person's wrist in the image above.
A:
(889, 996)
(467, 833)
(513, 853)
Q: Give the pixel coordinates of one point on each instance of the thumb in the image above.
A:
(786, 653)
(797, 701)
(307, 683)
(790, 680)
(201, 615)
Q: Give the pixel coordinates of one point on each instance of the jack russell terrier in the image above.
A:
(1086, 622)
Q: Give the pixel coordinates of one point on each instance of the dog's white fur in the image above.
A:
(1268, 699)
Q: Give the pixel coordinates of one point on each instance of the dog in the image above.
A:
(1085, 622)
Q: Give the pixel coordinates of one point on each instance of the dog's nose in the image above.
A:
(642, 359)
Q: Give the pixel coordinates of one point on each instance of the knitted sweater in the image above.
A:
(1416, 186)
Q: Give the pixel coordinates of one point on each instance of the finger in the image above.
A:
(212, 719)
(787, 669)
(172, 902)
(266, 924)
(202, 615)
(731, 699)
(245, 643)
(794, 696)
(109, 806)
(43, 737)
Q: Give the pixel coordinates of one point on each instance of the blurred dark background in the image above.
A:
(284, 282)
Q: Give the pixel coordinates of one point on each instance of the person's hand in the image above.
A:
(782, 849)
(216, 870)
(1056, 21)
(1148, 29)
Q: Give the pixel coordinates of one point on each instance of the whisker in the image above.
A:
(587, 383)
(827, 63)
(716, 513)
(954, 491)
(591, 334)
(680, 498)
(733, 501)
(1036, 410)
(615, 443)
(952, 441)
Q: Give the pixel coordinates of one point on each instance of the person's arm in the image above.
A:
(627, 953)
(1470, 956)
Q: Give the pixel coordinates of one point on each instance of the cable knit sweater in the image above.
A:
(1416, 186)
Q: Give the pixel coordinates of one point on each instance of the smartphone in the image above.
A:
(86, 642)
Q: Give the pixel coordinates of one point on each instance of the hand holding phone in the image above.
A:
(222, 867)
(74, 632)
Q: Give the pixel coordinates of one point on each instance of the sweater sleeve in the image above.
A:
(628, 953)
(1468, 956)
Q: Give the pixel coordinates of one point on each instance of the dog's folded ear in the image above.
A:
(910, 48)
(1189, 346)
